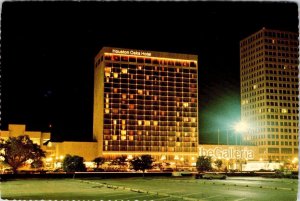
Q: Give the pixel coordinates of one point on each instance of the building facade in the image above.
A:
(269, 93)
(146, 102)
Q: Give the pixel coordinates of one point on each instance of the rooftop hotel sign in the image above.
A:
(227, 153)
(132, 52)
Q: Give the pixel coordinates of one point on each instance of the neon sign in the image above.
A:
(230, 153)
(132, 52)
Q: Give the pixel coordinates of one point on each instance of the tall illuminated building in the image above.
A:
(269, 92)
(145, 102)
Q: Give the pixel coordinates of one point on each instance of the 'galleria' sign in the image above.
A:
(230, 153)
(132, 52)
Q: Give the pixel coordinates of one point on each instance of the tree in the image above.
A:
(73, 164)
(203, 163)
(17, 150)
(142, 163)
(37, 164)
(218, 163)
(120, 160)
(99, 161)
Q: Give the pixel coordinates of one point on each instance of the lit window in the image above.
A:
(124, 96)
(106, 142)
(107, 105)
(131, 96)
(123, 127)
(115, 122)
(140, 92)
(115, 90)
(186, 119)
(124, 70)
(284, 111)
(123, 137)
(107, 79)
(178, 144)
(178, 114)
(139, 122)
(116, 75)
(115, 111)
(185, 104)
(131, 138)
(114, 137)
(139, 132)
(123, 121)
(107, 69)
(193, 119)
(140, 67)
(131, 106)
(107, 74)
(254, 86)
(155, 123)
(147, 123)
(123, 132)
(147, 77)
(107, 100)
(106, 111)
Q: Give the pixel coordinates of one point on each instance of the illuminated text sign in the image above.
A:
(230, 153)
(132, 52)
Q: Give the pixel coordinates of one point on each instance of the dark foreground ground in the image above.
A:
(150, 189)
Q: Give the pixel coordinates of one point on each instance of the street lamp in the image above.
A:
(176, 158)
(240, 127)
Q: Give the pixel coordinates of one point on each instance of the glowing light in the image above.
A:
(241, 126)
(161, 58)
(48, 159)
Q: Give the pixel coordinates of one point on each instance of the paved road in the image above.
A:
(152, 189)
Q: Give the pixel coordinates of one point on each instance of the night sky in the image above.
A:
(48, 50)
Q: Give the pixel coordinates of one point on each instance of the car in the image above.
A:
(168, 170)
(154, 170)
(214, 176)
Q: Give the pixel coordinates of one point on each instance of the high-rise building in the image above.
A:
(269, 93)
(146, 102)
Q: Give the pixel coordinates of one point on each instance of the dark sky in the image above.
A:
(48, 50)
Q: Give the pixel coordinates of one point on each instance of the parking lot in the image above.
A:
(152, 188)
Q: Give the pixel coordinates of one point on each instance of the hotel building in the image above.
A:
(269, 93)
(146, 102)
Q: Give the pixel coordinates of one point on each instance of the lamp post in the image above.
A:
(176, 159)
(240, 127)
